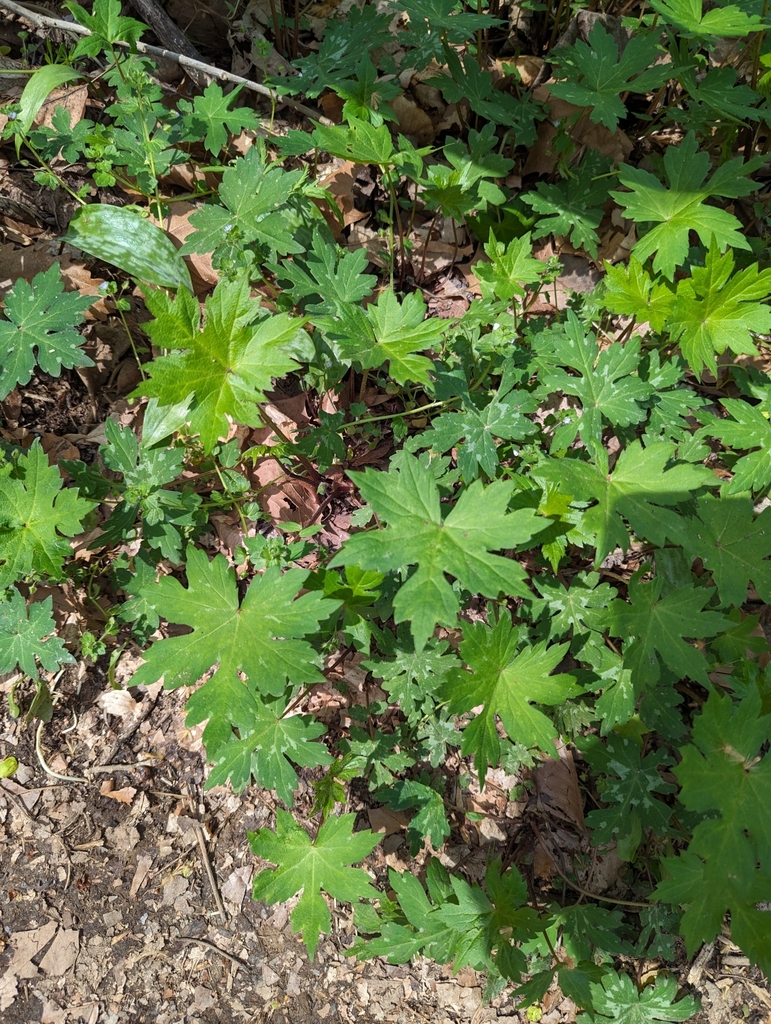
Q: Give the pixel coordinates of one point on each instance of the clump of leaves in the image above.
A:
(571, 532)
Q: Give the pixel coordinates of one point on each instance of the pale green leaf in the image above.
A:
(312, 867)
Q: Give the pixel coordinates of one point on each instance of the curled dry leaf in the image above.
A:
(118, 702)
(123, 796)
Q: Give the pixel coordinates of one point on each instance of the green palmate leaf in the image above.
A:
(36, 517)
(359, 141)
(658, 625)
(461, 922)
(430, 821)
(225, 365)
(466, 184)
(642, 489)
(734, 546)
(482, 921)
(598, 77)
(573, 207)
(680, 207)
(574, 982)
(131, 242)
(608, 386)
(588, 929)
(40, 329)
(580, 609)
(143, 468)
(442, 19)
(344, 41)
(310, 867)
(254, 195)
(618, 701)
(616, 998)
(714, 310)
(425, 931)
(508, 681)
(327, 274)
(28, 637)
(512, 266)
(62, 136)
(630, 782)
(725, 774)
(505, 418)
(167, 515)
(136, 580)
(107, 26)
(247, 736)
(379, 755)
(479, 161)
(630, 290)
(259, 637)
(386, 331)
(742, 638)
(211, 116)
(459, 544)
(728, 21)
(747, 428)
(412, 676)
(717, 96)
(468, 81)
(671, 406)
(366, 97)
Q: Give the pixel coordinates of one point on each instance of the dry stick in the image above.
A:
(166, 31)
(217, 949)
(210, 872)
(40, 21)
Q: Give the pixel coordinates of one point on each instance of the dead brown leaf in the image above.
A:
(177, 226)
(123, 796)
(556, 783)
(542, 159)
(71, 97)
(414, 122)
(385, 821)
(62, 953)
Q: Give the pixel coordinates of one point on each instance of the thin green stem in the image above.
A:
(395, 415)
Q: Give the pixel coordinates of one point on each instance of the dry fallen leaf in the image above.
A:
(118, 702)
(62, 953)
(9, 988)
(385, 821)
(414, 122)
(71, 97)
(542, 158)
(123, 796)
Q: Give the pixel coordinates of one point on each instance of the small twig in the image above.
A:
(44, 766)
(699, 964)
(216, 949)
(102, 768)
(67, 857)
(18, 801)
(39, 21)
(210, 873)
(126, 734)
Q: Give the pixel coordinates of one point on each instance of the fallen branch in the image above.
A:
(42, 21)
